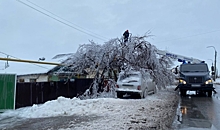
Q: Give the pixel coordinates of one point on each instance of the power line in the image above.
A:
(66, 20)
(190, 36)
(61, 21)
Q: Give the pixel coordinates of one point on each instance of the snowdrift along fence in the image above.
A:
(28, 94)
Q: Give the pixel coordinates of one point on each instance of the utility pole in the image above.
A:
(214, 61)
(215, 64)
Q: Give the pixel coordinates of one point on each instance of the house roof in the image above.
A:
(57, 68)
(32, 74)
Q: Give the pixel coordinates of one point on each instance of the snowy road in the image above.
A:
(154, 112)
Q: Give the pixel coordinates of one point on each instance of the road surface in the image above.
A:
(198, 112)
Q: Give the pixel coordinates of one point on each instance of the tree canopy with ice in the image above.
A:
(135, 54)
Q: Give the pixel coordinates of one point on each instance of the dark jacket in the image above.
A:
(126, 34)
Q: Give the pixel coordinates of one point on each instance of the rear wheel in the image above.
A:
(209, 93)
(155, 90)
(183, 92)
(145, 93)
(119, 95)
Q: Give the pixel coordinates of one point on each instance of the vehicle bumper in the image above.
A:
(127, 91)
(195, 86)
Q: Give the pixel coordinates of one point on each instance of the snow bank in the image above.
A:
(217, 81)
(154, 112)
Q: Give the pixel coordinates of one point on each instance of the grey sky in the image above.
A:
(182, 27)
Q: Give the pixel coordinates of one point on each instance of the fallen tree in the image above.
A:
(106, 60)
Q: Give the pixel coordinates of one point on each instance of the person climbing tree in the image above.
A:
(126, 35)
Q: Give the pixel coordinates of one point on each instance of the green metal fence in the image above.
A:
(7, 91)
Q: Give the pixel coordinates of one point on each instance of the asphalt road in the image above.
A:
(198, 112)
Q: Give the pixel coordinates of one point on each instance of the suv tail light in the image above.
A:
(117, 86)
(138, 87)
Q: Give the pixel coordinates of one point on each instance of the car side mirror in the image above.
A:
(176, 70)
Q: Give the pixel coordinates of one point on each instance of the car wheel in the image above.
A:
(145, 93)
(119, 95)
(209, 93)
(183, 92)
(155, 90)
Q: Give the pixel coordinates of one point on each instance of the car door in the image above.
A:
(144, 80)
(149, 83)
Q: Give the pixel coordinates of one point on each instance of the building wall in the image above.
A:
(33, 78)
(43, 78)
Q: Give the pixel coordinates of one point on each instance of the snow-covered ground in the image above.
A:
(217, 81)
(154, 112)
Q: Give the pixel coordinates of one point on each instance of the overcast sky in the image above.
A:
(182, 27)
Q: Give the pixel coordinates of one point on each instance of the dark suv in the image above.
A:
(195, 77)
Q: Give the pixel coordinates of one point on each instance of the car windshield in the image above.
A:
(194, 68)
(129, 78)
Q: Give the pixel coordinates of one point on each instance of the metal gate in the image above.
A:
(28, 94)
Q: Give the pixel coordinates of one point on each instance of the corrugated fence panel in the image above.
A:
(23, 95)
(28, 94)
(82, 85)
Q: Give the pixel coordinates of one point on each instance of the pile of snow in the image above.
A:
(154, 112)
(217, 81)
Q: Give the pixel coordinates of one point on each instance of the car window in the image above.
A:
(129, 78)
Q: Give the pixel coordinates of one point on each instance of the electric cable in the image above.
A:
(189, 36)
(60, 21)
(66, 20)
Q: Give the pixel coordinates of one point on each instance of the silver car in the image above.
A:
(135, 83)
